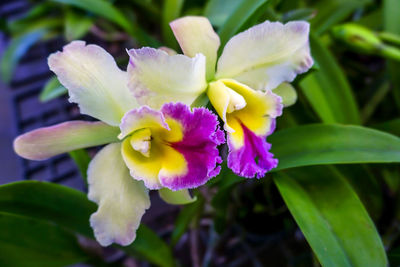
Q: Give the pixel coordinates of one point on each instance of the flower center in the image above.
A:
(236, 101)
(141, 141)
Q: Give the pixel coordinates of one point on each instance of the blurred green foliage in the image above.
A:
(353, 87)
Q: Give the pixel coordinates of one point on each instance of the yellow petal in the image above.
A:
(147, 151)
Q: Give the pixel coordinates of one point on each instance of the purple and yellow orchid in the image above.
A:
(153, 139)
(173, 148)
(240, 84)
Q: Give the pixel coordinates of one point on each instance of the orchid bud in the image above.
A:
(358, 37)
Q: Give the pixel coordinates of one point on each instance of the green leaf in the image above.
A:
(376, 99)
(14, 52)
(391, 24)
(331, 217)
(366, 185)
(29, 33)
(185, 217)
(299, 14)
(328, 90)
(171, 10)
(52, 89)
(372, 19)
(330, 12)
(82, 159)
(50, 25)
(226, 181)
(149, 246)
(71, 209)
(392, 126)
(101, 8)
(391, 38)
(29, 242)
(391, 177)
(179, 197)
(108, 11)
(76, 26)
(47, 201)
(238, 18)
(317, 144)
(35, 15)
(391, 18)
(218, 11)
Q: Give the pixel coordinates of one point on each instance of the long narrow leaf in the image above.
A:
(14, 52)
(71, 209)
(328, 90)
(30, 242)
(241, 14)
(392, 126)
(101, 8)
(391, 24)
(171, 10)
(332, 218)
(186, 215)
(76, 26)
(218, 11)
(318, 144)
(107, 10)
(82, 159)
(52, 89)
(330, 12)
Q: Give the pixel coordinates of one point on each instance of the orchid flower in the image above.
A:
(240, 84)
(171, 148)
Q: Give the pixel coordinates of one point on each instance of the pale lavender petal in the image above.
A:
(43, 143)
(267, 54)
(253, 158)
(199, 145)
(155, 77)
(93, 80)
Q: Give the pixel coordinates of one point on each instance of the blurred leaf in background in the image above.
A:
(51, 90)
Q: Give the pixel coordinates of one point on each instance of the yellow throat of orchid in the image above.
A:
(239, 105)
(149, 151)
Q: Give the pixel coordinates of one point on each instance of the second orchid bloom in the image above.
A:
(239, 84)
(154, 139)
